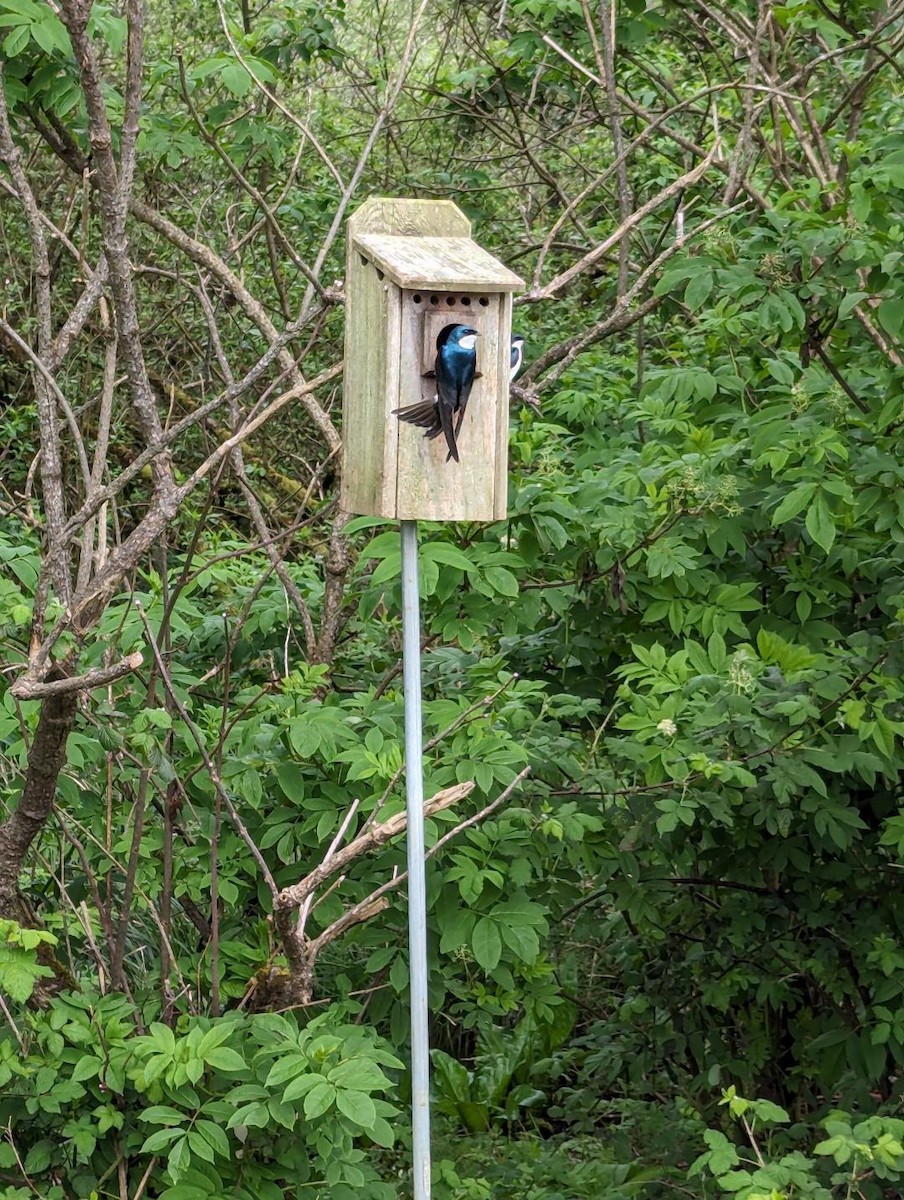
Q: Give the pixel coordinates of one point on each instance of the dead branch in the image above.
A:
(378, 835)
(24, 689)
(688, 179)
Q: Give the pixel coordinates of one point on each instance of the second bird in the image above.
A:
(455, 366)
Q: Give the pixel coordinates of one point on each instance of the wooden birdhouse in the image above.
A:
(412, 272)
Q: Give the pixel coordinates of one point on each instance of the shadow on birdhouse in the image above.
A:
(412, 274)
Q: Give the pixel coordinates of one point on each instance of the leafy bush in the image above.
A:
(869, 1153)
(243, 1106)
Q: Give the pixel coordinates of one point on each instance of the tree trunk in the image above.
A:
(18, 831)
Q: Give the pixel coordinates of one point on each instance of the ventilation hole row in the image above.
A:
(465, 301)
(435, 300)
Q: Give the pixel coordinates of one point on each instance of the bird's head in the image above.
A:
(517, 354)
(464, 336)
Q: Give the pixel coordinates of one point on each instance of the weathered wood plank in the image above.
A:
(428, 487)
(409, 218)
(368, 483)
(438, 263)
(504, 359)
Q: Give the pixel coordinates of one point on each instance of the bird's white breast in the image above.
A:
(469, 341)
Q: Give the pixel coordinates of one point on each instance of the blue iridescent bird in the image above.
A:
(517, 355)
(455, 368)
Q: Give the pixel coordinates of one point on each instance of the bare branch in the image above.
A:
(24, 689)
(51, 462)
(254, 310)
(112, 193)
(376, 836)
(213, 774)
(593, 256)
(376, 902)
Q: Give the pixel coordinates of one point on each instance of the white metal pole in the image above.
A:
(417, 886)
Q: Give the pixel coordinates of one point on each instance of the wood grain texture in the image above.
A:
(428, 487)
(504, 360)
(444, 263)
(370, 391)
(409, 218)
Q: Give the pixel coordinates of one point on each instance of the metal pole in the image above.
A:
(417, 885)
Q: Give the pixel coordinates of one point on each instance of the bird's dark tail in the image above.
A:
(445, 417)
(425, 416)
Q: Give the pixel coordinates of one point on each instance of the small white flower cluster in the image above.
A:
(667, 726)
(741, 677)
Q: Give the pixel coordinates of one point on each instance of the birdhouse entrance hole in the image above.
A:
(443, 310)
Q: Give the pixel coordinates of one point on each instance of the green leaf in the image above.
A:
(795, 502)
(200, 1146)
(300, 1086)
(286, 1067)
(162, 1114)
(486, 942)
(38, 1157)
(16, 41)
(215, 1036)
(360, 1074)
(236, 79)
(382, 1133)
(398, 973)
(501, 580)
(357, 1106)
(319, 1099)
(164, 1037)
(160, 1139)
(389, 568)
(85, 1143)
(179, 1158)
(359, 523)
(820, 523)
(304, 737)
(225, 1059)
(446, 553)
(850, 302)
(780, 371)
(891, 316)
(698, 289)
(215, 1136)
(87, 1068)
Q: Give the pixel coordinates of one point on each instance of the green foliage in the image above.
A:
(870, 1153)
(527, 1168)
(689, 628)
(19, 966)
(244, 1105)
(37, 54)
(507, 1075)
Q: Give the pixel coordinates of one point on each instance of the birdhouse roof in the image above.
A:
(440, 263)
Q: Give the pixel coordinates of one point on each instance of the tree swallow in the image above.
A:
(455, 366)
(517, 355)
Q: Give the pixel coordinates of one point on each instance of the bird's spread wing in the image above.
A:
(425, 415)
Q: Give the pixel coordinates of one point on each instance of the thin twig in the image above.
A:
(198, 738)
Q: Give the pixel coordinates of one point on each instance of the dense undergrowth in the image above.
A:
(671, 962)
